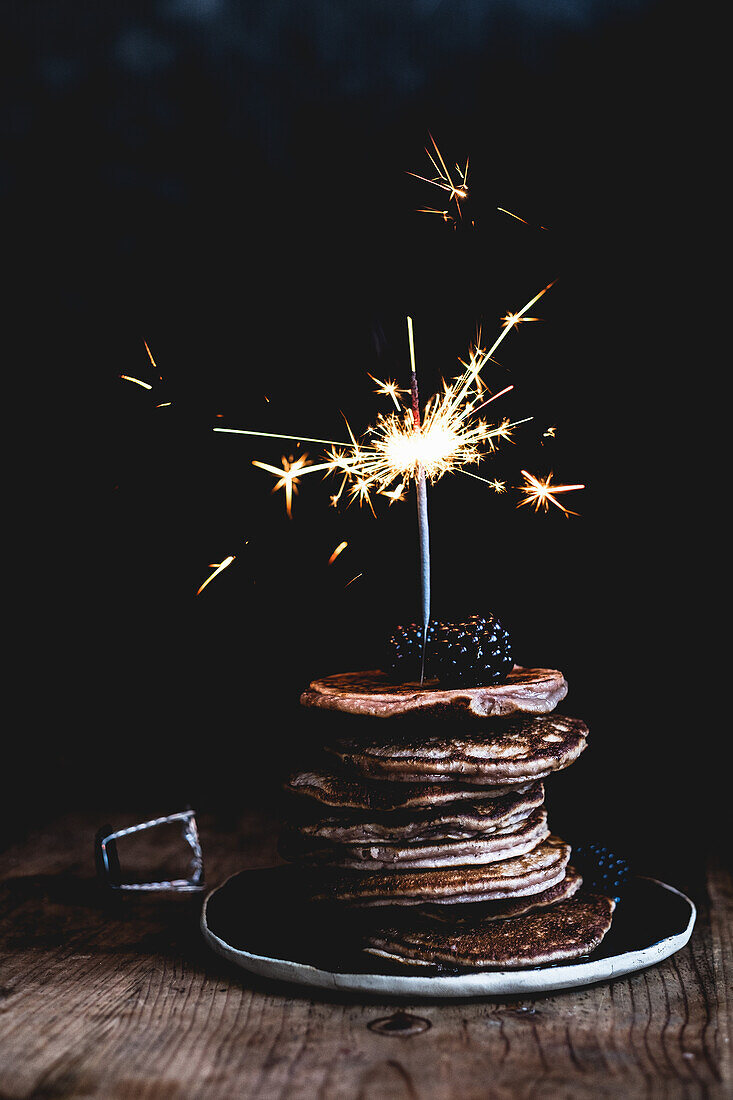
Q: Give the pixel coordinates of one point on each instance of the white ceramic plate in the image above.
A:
(652, 922)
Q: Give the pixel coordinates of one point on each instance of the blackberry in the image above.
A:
(471, 653)
(602, 869)
(403, 660)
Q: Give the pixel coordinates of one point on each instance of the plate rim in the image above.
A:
(484, 982)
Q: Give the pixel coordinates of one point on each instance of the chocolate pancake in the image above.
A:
(514, 750)
(453, 821)
(502, 844)
(352, 792)
(564, 931)
(372, 693)
(537, 870)
(474, 912)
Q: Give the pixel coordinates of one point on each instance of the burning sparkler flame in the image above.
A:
(448, 436)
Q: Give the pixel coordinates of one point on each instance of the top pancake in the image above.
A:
(510, 751)
(373, 694)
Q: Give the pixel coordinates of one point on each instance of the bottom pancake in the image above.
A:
(567, 930)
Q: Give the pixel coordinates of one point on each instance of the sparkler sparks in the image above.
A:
(339, 550)
(447, 437)
(456, 185)
(150, 356)
(147, 385)
(457, 190)
(217, 569)
(512, 319)
(524, 221)
(389, 389)
(288, 475)
(137, 381)
(541, 494)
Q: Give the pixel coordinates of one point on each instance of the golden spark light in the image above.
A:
(511, 215)
(389, 389)
(450, 436)
(456, 186)
(512, 319)
(288, 475)
(524, 221)
(541, 494)
(217, 569)
(150, 357)
(147, 385)
(339, 550)
(137, 381)
(457, 189)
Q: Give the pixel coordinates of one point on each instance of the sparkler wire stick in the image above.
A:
(422, 508)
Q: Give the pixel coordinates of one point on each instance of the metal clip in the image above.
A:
(108, 864)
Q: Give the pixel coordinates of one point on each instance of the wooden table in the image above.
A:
(119, 998)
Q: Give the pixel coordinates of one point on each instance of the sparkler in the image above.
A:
(412, 446)
(422, 506)
(409, 445)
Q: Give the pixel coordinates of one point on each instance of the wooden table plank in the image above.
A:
(120, 998)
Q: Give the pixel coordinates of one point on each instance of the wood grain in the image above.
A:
(118, 998)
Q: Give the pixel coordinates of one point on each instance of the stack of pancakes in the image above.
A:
(431, 817)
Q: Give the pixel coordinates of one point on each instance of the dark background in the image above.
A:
(227, 181)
